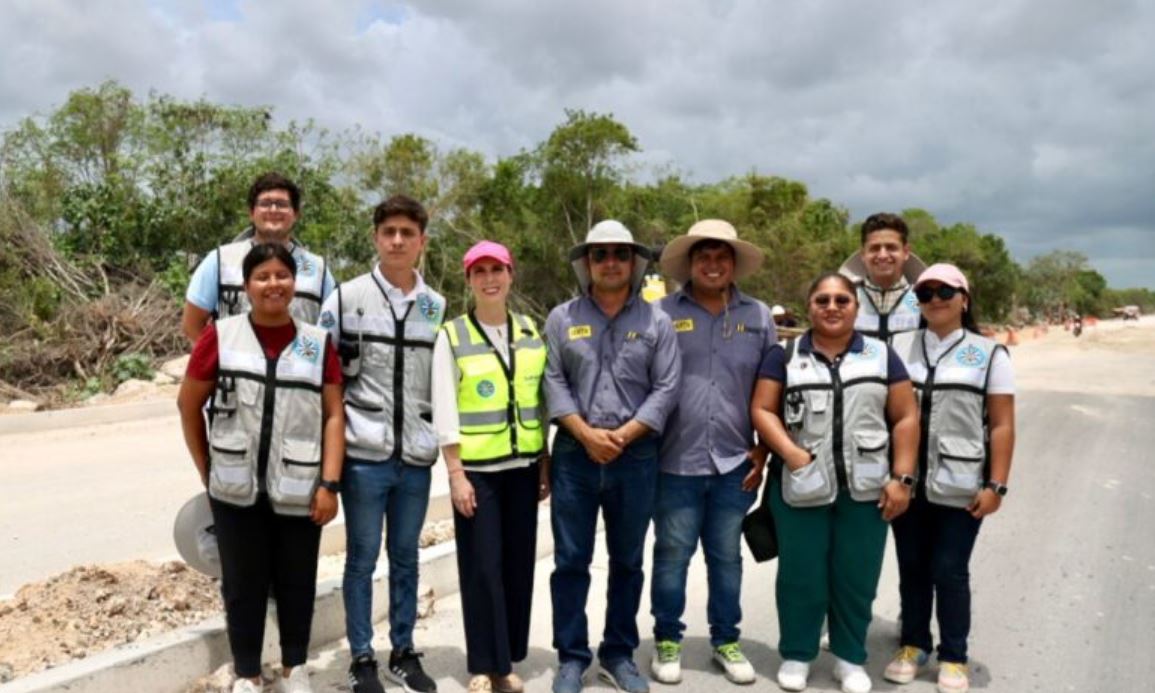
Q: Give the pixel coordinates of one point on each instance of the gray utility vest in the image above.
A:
(231, 296)
(838, 413)
(266, 418)
(952, 392)
(903, 317)
(387, 360)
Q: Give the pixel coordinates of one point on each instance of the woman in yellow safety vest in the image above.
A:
(490, 420)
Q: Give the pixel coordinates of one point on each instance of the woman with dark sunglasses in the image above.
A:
(967, 417)
(835, 407)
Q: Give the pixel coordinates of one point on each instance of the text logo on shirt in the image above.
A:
(580, 332)
(686, 325)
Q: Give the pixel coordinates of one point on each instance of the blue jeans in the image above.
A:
(394, 494)
(709, 508)
(624, 492)
(934, 545)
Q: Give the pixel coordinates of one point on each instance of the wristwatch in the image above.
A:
(998, 488)
(331, 486)
(904, 479)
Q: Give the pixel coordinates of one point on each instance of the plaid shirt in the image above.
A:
(885, 299)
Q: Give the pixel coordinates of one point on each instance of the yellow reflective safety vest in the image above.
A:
(499, 406)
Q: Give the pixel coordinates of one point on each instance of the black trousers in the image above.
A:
(262, 551)
(934, 545)
(496, 553)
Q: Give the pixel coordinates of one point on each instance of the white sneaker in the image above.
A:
(853, 677)
(297, 681)
(666, 664)
(738, 669)
(245, 686)
(792, 675)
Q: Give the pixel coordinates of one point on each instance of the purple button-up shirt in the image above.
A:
(611, 370)
(710, 432)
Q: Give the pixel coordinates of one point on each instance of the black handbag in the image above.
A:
(758, 526)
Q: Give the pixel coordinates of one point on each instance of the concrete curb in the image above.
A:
(41, 421)
(169, 663)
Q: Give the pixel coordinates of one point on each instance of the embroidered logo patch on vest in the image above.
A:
(869, 351)
(910, 300)
(307, 348)
(428, 308)
(305, 266)
(971, 355)
(486, 388)
(328, 319)
(686, 325)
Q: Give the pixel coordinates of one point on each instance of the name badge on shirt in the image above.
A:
(580, 332)
(686, 325)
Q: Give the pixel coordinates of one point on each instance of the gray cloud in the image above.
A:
(1028, 118)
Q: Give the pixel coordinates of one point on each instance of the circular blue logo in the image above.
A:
(971, 355)
(305, 266)
(327, 319)
(869, 351)
(911, 300)
(307, 348)
(486, 389)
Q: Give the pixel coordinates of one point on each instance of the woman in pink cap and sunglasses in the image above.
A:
(490, 420)
(967, 415)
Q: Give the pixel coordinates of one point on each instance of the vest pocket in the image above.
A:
(960, 466)
(871, 467)
(364, 424)
(295, 479)
(231, 473)
(809, 485)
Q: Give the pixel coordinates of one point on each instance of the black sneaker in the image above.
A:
(363, 675)
(405, 670)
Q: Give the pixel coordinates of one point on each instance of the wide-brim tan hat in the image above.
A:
(854, 268)
(675, 261)
(195, 537)
(613, 232)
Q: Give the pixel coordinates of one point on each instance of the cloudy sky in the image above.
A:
(1032, 119)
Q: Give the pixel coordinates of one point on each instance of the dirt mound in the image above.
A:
(92, 608)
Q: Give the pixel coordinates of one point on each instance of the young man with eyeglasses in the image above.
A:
(216, 290)
(711, 468)
(882, 270)
(385, 323)
(611, 379)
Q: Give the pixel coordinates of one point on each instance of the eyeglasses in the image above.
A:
(840, 300)
(943, 291)
(621, 253)
(274, 204)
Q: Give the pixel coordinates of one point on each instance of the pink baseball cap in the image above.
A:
(487, 249)
(944, 273)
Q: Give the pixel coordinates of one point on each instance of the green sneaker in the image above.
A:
(666, 664)
(738, 669)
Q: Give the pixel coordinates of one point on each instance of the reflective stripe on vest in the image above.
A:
(499, 420)
(267, 415)
(903, 317)
(838, 413)
(232, 300)
(952, 395)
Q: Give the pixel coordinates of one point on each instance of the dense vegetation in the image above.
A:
(107, 202)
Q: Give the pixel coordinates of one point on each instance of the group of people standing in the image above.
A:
(891, 409)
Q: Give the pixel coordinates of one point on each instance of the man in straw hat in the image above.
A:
(710, 467)
(611, 380)
(884, 270)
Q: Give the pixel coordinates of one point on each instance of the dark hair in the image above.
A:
(884, 221)
(711, 244)
(846, 284)
(401, 205)
(274, 181)
(262, 253)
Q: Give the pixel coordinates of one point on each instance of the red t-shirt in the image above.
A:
(204, 360)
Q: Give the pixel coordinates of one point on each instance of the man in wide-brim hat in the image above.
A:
(710, 467)
(611, 379)
(884, 270)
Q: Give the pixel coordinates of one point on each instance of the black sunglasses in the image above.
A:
(621, 253)
(944, 292)
(823, 300)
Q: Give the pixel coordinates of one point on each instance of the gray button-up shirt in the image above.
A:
(611, 370)
(710, 432)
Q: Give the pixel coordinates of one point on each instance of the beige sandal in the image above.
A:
(480, 684)
(510, 683)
